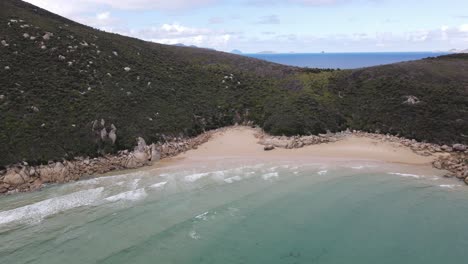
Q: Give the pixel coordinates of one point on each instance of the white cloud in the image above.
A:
(73, 7)
(463, 28)
(103, 16)
(176, 33)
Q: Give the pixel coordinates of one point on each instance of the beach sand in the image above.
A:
(240, 142)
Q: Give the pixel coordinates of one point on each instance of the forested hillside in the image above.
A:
(68, 90)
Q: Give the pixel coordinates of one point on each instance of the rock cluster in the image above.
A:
(271, 142)
(453, 159)
(23, 178)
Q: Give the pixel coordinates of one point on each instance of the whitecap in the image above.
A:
(202, 216)
(450, 186)
(195, 177)
(406, 175)
(358, 167)
(128, 196)
(38, 211)
(158, 185)
(233, 179)
(270, 175)
(322, 172)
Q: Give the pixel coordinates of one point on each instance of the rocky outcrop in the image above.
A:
(22, 177)
(453, 159)
(294, 142)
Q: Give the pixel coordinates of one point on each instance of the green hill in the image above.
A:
(60, 79)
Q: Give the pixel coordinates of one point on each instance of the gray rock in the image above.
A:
(155, 154)
(411, 100)
(459, 147)
(269, 147)
(103, 134)
(141, 145)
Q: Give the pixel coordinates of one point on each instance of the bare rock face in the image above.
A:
(103, 134)
(141, 145)
(55, 172)
(16, 177)
(155, 153)
(140, 156)
(113, 134)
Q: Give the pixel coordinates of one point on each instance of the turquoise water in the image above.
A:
(242, 212)
(344, 60)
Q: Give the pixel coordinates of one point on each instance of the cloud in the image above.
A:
(176, 33)
(103, 20)
(73, 7)
(269, 20)
(299, 2)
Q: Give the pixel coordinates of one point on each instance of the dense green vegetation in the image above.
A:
(53, 88)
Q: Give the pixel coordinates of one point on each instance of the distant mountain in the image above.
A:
(183, 45)
(266, 52)
(236, 51)
(458, 51)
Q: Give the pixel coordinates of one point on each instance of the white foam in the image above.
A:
(322, 172)
(358, 167)
(193, 234)
(406, 175)
(202, 216)
(233, 179)
(270, 175)
(195, 177)
(450, 186)
(134, 183)
(158, 185)
(128, 196)
(36, 212)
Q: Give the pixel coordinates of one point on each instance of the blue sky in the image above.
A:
(280, 25)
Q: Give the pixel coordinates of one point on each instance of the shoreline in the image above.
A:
(247, 143)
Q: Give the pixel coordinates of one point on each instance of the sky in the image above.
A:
(280, 25)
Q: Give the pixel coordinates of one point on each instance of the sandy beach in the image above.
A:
(241, 142)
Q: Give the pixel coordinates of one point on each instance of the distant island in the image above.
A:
(236, 51)
(458, 51)
(266, 52)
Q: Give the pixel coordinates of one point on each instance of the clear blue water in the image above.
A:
(343, 60)
(272, 213)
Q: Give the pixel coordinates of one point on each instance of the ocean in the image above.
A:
(242, 212)
(344, 60)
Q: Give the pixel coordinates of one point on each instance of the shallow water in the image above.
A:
(243, 212)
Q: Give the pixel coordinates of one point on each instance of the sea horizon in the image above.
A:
(343, 60)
